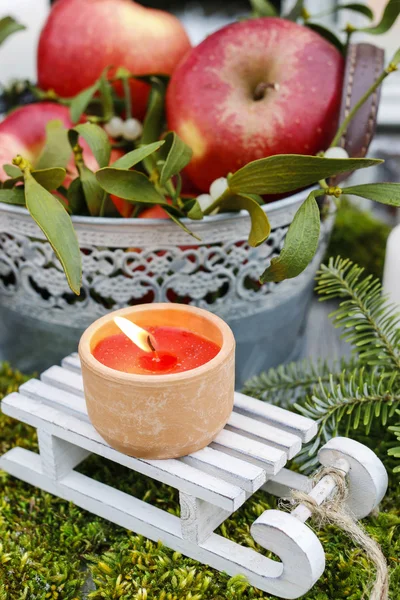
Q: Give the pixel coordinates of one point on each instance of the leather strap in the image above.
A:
(364, 64)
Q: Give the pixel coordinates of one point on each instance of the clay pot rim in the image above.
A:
(86, 356)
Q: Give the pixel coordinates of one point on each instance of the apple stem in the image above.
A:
(262, 87)
(338, 139)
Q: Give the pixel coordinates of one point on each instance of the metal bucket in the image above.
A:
(131, 261)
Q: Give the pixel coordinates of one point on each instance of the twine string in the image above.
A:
(334, 511)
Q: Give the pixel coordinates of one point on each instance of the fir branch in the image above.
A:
(358, 398)
(294, 381)
(373, 324)
(396, 451)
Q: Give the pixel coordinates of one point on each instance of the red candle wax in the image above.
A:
(177, 350)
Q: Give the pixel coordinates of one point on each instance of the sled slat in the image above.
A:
(280, 418)
(262, 432)
(64, 380)
(81, 433)
(269, 458)
(211, 461)
(72, 363)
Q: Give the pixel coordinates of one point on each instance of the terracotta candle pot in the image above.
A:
(164, 415)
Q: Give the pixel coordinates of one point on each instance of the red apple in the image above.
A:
(83, 37)
(24, 132)
(254, 89)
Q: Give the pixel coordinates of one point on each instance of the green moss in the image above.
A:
(48, 546)
(360, 237)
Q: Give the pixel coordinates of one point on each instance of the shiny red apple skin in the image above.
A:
(211, 98)
(24, 132)
(83, 37)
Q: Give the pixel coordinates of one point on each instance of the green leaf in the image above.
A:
(363, 9)
(8, 26)
(153, 123)
(14, 196)
(193, 210)
(385, 193)
(296, 11)
(389, 17)
(50, 179)
(57, 150)
(327, 34)
(80, 103)
(136, 156)
(106, 97)
(177, 220)
(76, 197)
(97, 139)
(396, 58)
(57, 226)
(263, 8)
(8, 184)
(300, 244)
(12, 171)
(288, 172)
(176, 155)
(260, 226)
(63, 203)
(94, 194)
(129, 185)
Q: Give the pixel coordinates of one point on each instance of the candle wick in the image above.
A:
(150, 343)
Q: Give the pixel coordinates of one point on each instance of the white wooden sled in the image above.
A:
(248, 455)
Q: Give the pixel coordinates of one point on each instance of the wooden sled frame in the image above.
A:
(249, 454)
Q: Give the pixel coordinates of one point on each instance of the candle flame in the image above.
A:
(140, 337)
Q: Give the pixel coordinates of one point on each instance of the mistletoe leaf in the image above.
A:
(193, 210)
(176, 155)
(57, 226)
(263, 8)
(76, 197)
(98, 141)
(169, 209)
(80, 103)
(355, 7)
(300, 244)
(50, 179)
(385, 193)
(106, 97)
(327, 34)
(296, 12)
(260, 226)
(15, 196)
(129, 185)
(131, 159)
(12, 171)
(153, 123)
(389, 17)
(57, 150)
(288, 172)
(94, 194)
(8, 26)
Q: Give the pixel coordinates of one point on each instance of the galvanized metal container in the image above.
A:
(131, 261)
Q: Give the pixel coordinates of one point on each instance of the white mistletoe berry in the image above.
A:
(218, 187)
(132, 129)
(336, 152)
(114, 127)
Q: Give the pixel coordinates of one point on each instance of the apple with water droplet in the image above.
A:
(81, 38)
(253, 89)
